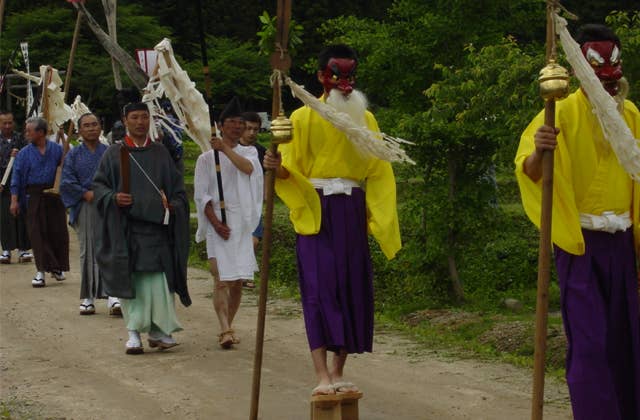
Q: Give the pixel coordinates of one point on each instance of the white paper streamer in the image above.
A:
(371, 143)
(187, 102)
(614, 128)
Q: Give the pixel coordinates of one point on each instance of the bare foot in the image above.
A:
(323, 389)
(344, 387)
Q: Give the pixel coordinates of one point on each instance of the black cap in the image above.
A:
(233, 109)
(135, 106)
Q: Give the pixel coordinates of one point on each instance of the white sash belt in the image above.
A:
(608, 221)
(330, 186)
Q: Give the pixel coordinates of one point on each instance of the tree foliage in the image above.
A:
(457, 77)
(461, 82)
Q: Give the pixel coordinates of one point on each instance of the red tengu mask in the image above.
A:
(604, 57)
(340, 73)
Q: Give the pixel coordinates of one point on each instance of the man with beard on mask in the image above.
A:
(595, 215)
(336, 194)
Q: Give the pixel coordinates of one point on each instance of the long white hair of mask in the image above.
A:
(353, 105)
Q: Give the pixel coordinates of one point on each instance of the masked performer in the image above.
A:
(594, 217)
(336, 194)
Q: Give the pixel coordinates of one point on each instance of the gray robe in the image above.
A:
(134, 239)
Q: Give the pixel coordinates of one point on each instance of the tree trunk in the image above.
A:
(2, 3)
(129, 65)
(456, 285)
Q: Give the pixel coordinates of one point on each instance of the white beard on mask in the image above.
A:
(353, 105)
(623, 90)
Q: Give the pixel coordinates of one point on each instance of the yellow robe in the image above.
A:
(587, 176)
(319, 150)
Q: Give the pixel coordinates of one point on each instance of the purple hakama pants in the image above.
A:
(336, 278)
(599, 293)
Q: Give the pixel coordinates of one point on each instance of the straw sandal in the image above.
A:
(225, 339)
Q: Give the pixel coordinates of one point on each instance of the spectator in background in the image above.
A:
(253, 122)
(13, 230)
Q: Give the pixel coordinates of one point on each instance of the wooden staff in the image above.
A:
(125, 171)
(280, 60)
(67, 81)
(110, 7)
(207, 93)
(553, 85)
(223, 211)
(72, 55)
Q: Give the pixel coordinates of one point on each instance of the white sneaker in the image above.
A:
(161, 340)
(58, 275)
(134, 345)
(5, 258)
(38, 280)
(24, 256)
(114, 306)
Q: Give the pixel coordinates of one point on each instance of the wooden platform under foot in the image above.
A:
(335, 407)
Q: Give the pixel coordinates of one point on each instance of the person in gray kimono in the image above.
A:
(80, 165)
(142, 232)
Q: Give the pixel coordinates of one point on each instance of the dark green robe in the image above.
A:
(135, 239)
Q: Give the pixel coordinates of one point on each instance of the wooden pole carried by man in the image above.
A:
(554, 84)
(281, 133)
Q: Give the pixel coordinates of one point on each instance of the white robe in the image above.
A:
(243, 203)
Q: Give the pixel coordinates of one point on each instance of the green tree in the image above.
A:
(627, 27)
(443, 49)
(49, 32)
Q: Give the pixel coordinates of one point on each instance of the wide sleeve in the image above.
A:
(565, 228)
(382, 212)
(251, 189)
(71, 188)
(18, 173)
(179, 232)
(203, 192)
(111, 228)
(19, 177)
(296, 191)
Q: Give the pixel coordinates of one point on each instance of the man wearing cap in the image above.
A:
(229, 245)
(142, 232)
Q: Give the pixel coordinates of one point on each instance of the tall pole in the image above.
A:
(207, 95)
(109, 7)
(2, 3)
(281, 61)
(553, 85)
(72, 54)
(203, 53)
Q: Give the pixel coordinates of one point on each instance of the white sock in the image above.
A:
(134, 335)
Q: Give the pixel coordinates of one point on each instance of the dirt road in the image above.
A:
(57, 364)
